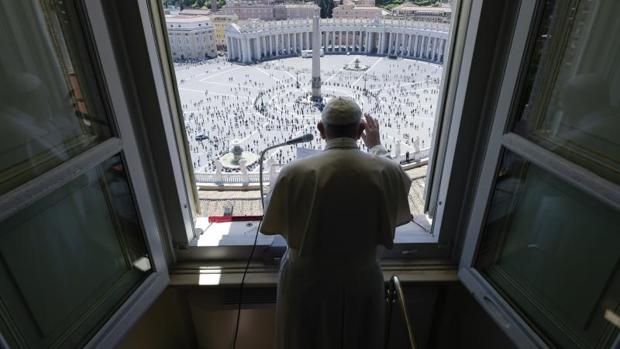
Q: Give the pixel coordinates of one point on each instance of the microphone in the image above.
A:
(301, 139)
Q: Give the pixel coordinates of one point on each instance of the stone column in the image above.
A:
(360, 41)
(431, 48)
(397, 44)
(406, 39)
(346, 41)
(236, 52)
(218, 173)
(272, 45)
(231, 48)
(256, 49)
(328, 44)
(443, 49)
(289, 43)
(246, 49)
(228, 52)
(264, 45)
(364, 39)
(428, 48)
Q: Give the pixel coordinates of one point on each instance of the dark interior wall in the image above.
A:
(443, 316)
(166, 324)
(463, 323)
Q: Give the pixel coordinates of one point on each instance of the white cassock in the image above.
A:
(334, 209)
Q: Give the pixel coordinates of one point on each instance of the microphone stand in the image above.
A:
(262, 201)
(261, 158)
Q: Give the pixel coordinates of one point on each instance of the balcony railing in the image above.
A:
(416, 159)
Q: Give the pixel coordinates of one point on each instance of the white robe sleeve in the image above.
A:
(404, 211)
(275, 217)
(378, 150)
(395, 207)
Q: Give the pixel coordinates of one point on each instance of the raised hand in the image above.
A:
(370, 136)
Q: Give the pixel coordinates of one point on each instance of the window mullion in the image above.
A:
(44, 184)
(576, 175)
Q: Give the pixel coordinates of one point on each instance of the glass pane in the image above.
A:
(572, 102)
(70, 259)
(47, 97)
(552, 250)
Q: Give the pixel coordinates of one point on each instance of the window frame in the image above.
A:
(502, 139)
(449, 111)
(123, 143)
(126, 143)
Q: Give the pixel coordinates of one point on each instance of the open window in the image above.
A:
(541, 252)
(230, 104)
(80, 250)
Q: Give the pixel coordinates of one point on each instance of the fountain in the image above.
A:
(237, 158)
(356, 66)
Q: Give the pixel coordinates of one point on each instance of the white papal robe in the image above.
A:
(334, 209)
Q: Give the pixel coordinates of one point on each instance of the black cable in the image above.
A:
(419, 225)
(247, 265)
(304, 138)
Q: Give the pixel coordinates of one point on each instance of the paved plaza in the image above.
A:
(263, 104)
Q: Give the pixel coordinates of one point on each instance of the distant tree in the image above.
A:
(199, 3)
(327, 6)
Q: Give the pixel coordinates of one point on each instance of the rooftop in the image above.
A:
(414, 7)
(195, 12)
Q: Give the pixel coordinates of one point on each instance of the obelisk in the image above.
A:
(316, 60)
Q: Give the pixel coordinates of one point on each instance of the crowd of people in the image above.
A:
(269, 103)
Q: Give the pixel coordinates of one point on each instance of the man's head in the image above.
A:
(341, 117)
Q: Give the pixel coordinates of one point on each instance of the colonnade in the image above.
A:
(401, 39)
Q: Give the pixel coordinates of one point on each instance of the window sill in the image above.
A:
(229, 274)
(243, 234)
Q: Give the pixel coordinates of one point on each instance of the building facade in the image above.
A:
(191, 37)
(423, 13)
(194, 12)
(258, 40)
(355, 11)
(220, 22)
(270, 12)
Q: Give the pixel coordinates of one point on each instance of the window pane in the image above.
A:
(70, 259)
(47, 108)
(573, 103)
(552, 251)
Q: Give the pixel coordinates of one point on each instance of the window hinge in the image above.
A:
(612, 317)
